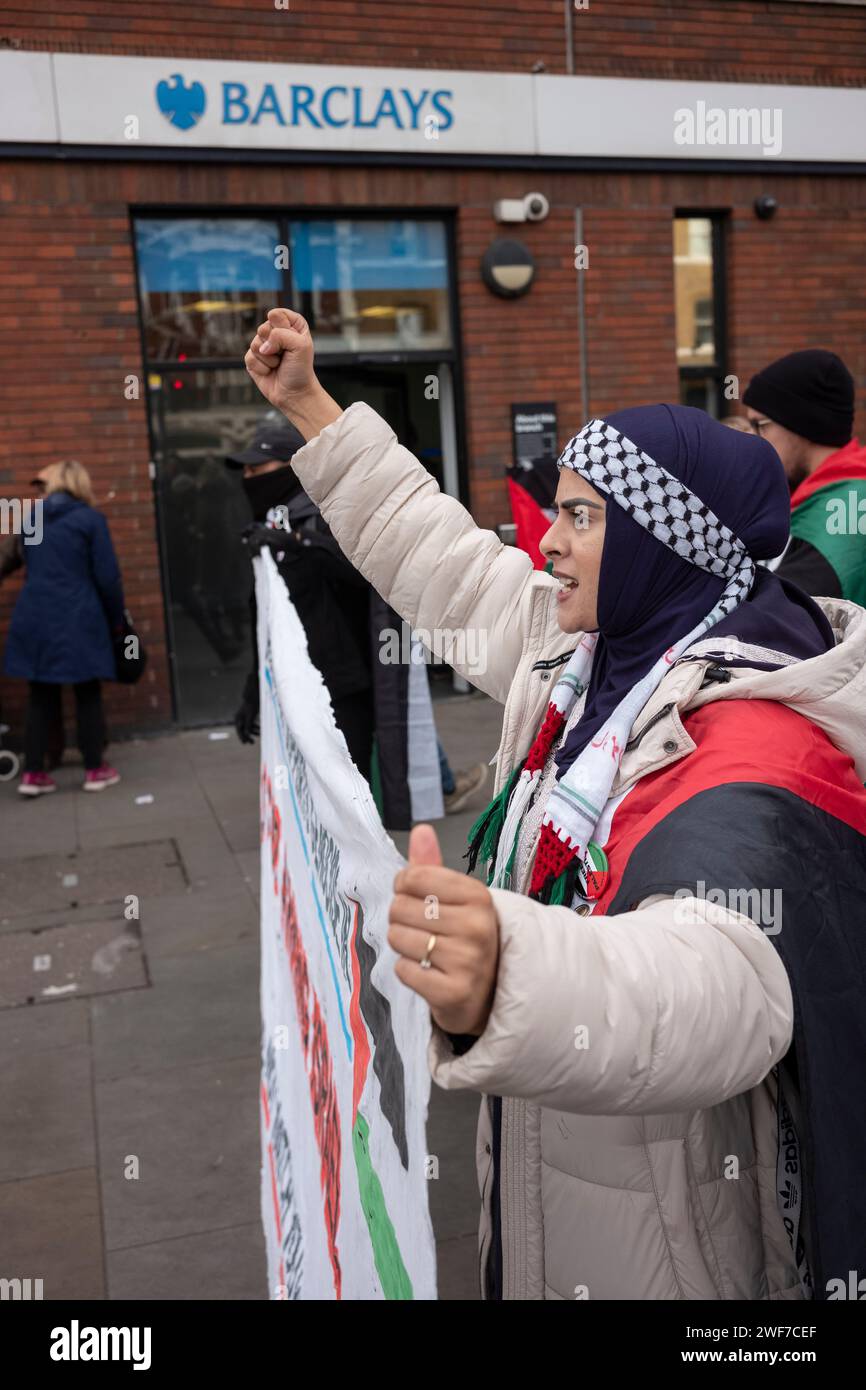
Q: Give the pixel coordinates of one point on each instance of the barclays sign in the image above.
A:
(210, 104)
(303, 105)
(338, 106)
(87, 99)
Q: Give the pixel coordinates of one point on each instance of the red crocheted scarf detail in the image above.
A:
(552, 857)
(550, 730)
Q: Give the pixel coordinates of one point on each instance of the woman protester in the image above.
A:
(68, 615)
(660, 991)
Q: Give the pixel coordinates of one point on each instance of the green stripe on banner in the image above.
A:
(386, 1252)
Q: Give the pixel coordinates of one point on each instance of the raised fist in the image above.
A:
(280, 359)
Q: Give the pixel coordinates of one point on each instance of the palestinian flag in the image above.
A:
(827, 554)
(768, 817)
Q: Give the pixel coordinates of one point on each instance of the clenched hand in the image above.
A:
(280, 362)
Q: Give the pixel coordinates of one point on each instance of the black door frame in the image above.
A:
(284, 216)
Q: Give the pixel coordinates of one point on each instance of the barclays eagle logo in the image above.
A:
(182, 106)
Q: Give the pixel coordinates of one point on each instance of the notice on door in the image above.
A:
(533, 429)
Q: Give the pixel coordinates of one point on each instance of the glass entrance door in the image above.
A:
(197, 420)
(376, 294)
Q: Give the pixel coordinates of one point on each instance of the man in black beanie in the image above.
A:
(803, 405)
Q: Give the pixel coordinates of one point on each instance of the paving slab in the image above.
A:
(202, 919)
(52, 1231)
(47, 1108)
(202, 847)
(248, 864)
(59, 963)
(223, 781)
(230, 1263)
(240, 830)
(217, 745)
(52, 882)
(202, 1006)
(28, 824)
(195, 1132)
(112, 911)
(208, 857)
(172, 799)
(39, 1029)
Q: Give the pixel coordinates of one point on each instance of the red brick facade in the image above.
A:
(69, 333)
(729, 40)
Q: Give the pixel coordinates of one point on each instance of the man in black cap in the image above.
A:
(803, 405)
(331, 598)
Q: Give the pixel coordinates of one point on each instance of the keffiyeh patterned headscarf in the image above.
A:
(672, 513)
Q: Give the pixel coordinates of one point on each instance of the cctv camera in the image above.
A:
(765, 206)
(536, 207)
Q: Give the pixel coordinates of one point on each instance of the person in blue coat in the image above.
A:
(68, 614)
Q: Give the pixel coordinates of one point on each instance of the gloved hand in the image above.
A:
(247, 716)
(257, 536)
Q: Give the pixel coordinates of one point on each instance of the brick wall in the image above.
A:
(68, 338)
(758, 40)
(800, 287)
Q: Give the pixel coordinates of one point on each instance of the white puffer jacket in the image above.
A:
(616, 1179)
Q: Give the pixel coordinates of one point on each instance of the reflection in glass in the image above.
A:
(206, 283)
(373, 286)
(198, 418)
(693, 291)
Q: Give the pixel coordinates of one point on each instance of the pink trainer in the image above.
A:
(36, 784)
(98, 778)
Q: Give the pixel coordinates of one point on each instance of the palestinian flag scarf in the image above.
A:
(679, 520)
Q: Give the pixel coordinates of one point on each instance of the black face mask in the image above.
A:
(273, 489)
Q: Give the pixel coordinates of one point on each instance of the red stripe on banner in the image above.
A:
(274, 1192)
(361, 1056)
(317, 1057)
(743, 741)
(530, 521)
(266, 1108)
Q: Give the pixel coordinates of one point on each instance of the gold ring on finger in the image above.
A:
(425, 961)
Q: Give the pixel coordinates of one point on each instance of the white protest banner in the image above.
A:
(345, 1083)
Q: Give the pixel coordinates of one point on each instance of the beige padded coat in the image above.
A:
(616, 1172)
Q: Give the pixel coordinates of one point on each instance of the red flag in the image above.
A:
(530, 521)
